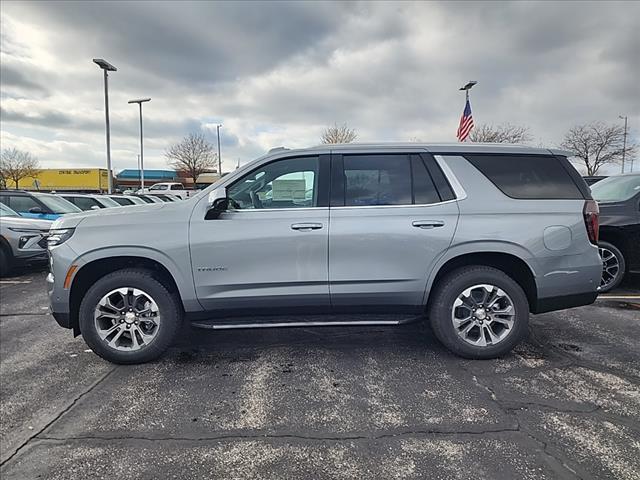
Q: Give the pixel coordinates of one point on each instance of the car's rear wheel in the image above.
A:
(479, 312)
(129, 317)
(613, 266)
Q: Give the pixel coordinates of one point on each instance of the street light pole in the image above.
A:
(219, 158)
(624, 143)
(107, 67)
(140, 101)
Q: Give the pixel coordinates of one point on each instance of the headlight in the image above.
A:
(59, 236)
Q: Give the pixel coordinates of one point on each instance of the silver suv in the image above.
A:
(474, 236)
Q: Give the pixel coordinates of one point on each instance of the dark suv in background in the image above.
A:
(619, 200)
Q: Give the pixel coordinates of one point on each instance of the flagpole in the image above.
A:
(468, 125)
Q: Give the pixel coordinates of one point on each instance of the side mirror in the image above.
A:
(219, 205)
(95, 207)
(36, 210)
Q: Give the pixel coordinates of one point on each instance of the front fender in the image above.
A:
(181, 273)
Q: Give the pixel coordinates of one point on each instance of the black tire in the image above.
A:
(6, 261)
(622, 264)
(168, 306)
(447, 291)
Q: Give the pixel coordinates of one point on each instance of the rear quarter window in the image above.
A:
(527, 177)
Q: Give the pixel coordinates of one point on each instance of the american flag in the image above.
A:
(466, 123)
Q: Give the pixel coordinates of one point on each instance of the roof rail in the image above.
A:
(277, 149)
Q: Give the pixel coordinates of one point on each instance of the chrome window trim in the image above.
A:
(301, 209)
(458, 189)
(407, 205)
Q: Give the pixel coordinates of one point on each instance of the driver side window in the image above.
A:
(287, 183)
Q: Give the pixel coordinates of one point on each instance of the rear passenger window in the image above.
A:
(377, 180)
(527, 176)
(424, 191)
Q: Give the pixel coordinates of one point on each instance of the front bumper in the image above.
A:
(61, 258)
(63, 319)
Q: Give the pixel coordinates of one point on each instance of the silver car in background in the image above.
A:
(474, 237)
(85, 201)
(126, 200)
(21, 239)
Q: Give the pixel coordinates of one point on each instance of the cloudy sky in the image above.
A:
(274, 74)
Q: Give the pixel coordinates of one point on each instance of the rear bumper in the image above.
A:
(551, 304)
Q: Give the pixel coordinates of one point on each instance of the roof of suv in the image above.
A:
(14, 192)
(430, 147)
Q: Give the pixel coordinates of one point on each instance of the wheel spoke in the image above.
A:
(494, 338)
(485, 294)
(504, 311)
(505, 321)
(146, 338)
(134, 338)
(481, 341)
(113, 341)
(467, 329)
(105, 333)
(460, 321)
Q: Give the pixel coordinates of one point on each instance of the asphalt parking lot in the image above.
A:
(322, 402)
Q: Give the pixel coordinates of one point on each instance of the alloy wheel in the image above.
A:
(610, 267)
(127, 319)
(483, 315)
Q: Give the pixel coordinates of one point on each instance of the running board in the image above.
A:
(232, 326)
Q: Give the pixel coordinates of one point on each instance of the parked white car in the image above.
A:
(21, 239)
(173, 188)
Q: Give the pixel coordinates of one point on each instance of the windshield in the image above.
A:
(6, 211)
(616, 189)
(57, 204)
(108, 202)
(159, 187)
(136, 200)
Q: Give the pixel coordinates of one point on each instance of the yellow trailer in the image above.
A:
(77, 180)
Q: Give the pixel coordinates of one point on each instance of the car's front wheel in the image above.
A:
(6, 262)
(129, 316)
(613, 266)
(479, 312)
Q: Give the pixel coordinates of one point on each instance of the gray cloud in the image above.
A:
(12, 77)
(276, 73)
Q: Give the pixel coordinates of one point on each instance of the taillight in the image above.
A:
(591, 214)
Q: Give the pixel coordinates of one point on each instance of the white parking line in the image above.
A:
(14, 282)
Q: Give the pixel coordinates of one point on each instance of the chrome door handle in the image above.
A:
(306, 227)
(426, 224)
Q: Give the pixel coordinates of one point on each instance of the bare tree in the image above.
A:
(193, 154)
(17, 164)
(505, 133)
(338, 134)
(597, 144)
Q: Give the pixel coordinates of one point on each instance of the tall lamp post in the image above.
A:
(107, 67)
(140, 101)
(219, 158)
(624, 142)
(468, 87)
